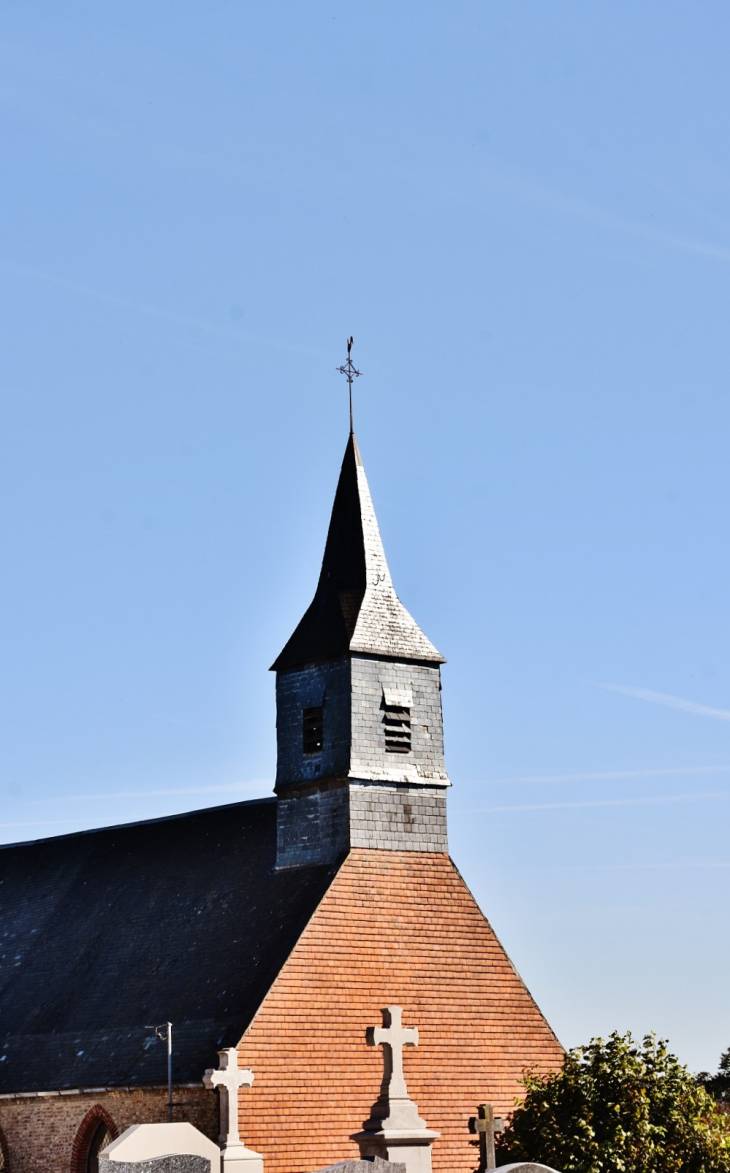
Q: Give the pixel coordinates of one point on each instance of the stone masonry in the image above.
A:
(40, 1130)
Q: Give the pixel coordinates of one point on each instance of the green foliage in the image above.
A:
(718, 1085)
(618, 1107)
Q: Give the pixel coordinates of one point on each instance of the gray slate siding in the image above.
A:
(352, 691)
(356, 652)
(398, 818)
(355, 607)
(369, 759)
(321, 825)
(384, 626)
(302, 688)
(354, 793)
(313, 826)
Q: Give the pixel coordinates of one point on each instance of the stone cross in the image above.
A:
(395, 1131)
(395, 1108)
(228, 1079)
(487, 1125)
(394, 1037)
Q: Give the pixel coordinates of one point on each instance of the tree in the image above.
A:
(618, 1107)
(718, 1085)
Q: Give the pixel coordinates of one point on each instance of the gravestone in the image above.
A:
(161, 1148)
(526, 1167)
(235, 1157)
(371, 1165)
(395, 1132)
(486, 1125)
(174, 1163)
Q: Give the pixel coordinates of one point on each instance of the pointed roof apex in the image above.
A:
(355, 607)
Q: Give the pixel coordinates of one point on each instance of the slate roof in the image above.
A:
(355, 607)
(104, 932)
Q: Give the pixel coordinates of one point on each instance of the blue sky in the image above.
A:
(522, 212)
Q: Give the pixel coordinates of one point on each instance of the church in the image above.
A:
(280, 927)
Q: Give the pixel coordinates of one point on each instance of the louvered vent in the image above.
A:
(397, 722)
(313, 729)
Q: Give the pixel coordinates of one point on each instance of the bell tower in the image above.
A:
(360, 759)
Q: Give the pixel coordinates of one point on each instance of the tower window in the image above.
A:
(313, 729)
(397, 722)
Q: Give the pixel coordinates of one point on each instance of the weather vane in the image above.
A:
(350, 371)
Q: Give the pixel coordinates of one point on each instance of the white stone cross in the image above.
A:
(393, 1036)
(228, 1079)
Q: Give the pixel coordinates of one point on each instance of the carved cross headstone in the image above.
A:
(487, 1125)
(228, 1079)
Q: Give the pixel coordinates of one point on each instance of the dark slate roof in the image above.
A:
(355, 607)
(104, 932)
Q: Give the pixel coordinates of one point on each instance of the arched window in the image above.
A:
(96, 1131)
(4, 1161)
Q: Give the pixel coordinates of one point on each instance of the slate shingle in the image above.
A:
(355, 607)
(104, 932)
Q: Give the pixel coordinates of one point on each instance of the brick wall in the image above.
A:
(395, 927)
(40, 1130)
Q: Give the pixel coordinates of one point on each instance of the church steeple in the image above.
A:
(355, 607)
(358, 696)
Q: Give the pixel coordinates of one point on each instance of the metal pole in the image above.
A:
(350, 371)
(169, 1072)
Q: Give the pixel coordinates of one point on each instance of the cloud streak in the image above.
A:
(38, 823)
(157, 312)
(602, 776)
(557, 201)
(656, 800)
(224, 788)
(670, 702)
(630, 867)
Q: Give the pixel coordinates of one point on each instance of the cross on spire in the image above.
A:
(228, 1079)
(350, 371)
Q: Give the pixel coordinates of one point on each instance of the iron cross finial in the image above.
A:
(350, 371)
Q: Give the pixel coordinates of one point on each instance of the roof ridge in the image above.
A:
(139, 822)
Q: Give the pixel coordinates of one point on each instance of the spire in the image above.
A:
(355, 608)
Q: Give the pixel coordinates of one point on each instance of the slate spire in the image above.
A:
(355, 607)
